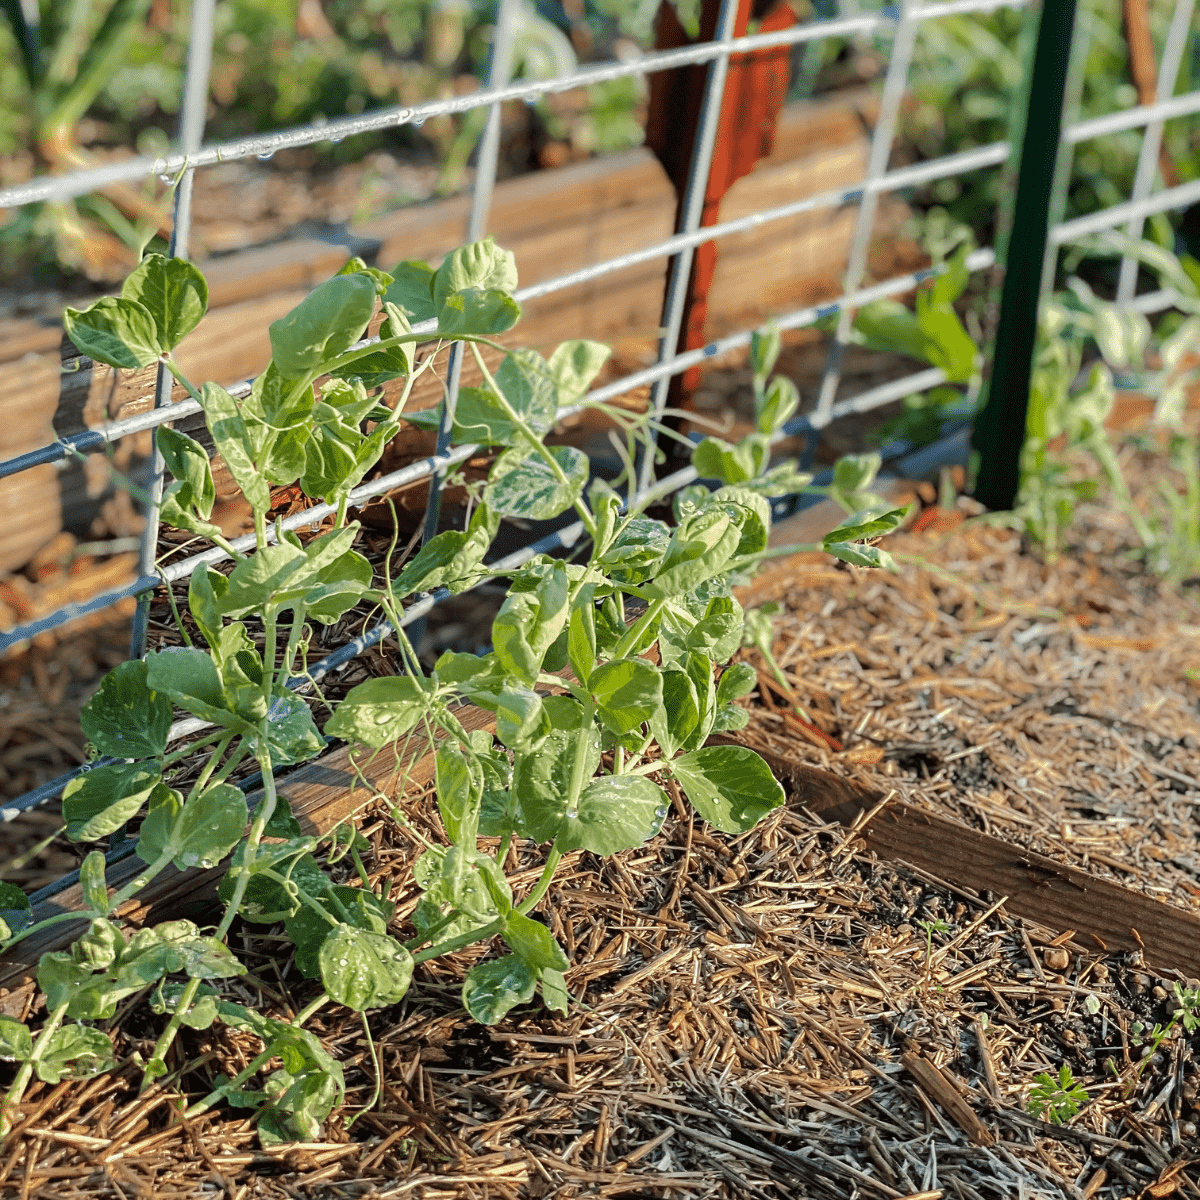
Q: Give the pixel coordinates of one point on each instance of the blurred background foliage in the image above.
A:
(284, 62)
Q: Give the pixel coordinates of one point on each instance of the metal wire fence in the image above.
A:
(899, 23)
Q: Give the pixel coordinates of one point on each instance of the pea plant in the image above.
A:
(1069, 407)
(605, 680)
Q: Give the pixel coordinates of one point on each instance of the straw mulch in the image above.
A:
(780, 1014)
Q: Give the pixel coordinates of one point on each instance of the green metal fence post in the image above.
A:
(1000, 426)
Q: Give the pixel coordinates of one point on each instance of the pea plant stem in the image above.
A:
(157, 1063)
(25, 1072)
(535, 440)
(639, 627)
(215, 1096)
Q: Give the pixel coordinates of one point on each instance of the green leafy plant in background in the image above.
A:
(583, 768)
(64, 56)
(1057, 1098)
(1062, 411)
(275, 63)
(967, 78)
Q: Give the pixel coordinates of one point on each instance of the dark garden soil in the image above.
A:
(782, 1014)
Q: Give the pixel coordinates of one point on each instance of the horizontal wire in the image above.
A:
(417, 471)
(1133, 118)
(79, 183)
(1118, 214)
(911, 176)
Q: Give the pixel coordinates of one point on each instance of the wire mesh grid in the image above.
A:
(899, 23)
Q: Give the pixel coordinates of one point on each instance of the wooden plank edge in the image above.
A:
(1107, 917)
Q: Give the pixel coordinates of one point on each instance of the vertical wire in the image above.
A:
(191, 131)
(1147, 167)
(881, 147)
(499, 71)
(1081, 46)
(692, 210)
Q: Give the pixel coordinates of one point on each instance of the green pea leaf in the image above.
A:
(533, 942)
(391, 362)
(188, 462)
(678, 715)
(178, 510)
(863, 525)
(357, 266)
(203, 1012)
(492, 988)
(764, 351)
(554, 991)
(718, 634)
(481, 265)
(364, 970)
(521, 720)
(308, 929)
(126, 718)
(292, 735)
(523, 484)
(173, 292)
(327, 322)
(263, 579)
(338, 587)
(98, 948)
(100, 802)
(542, 778)
(478, 312)
(731, 787)
(191, 679)
(574, 365)
(209, 827)
(117, 332)
(530, 620)
(854, 472)
(411, 290)
(731, 463)
(616, 812)
(379, 711)
(627, 692)
(737, 681)
(581, 634)
(459, 790)
(778, 406)
(279, 402)
(637, 550)
(700, 671)
(750, 511)
(91, 882)
(858, 554)
(700, 547)
(155, 837)
(888, 325)
(238, 442)
(75, 1052)
(15, 910)
(282, 824)
(16, 1042)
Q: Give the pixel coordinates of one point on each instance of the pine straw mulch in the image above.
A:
(744, 1007)
(754, 1014)
(780, 1014)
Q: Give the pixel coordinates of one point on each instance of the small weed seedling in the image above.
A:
(1057, 1099)
(930, 928)
(583, 769)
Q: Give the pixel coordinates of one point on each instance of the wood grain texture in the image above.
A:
(1105, 916)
